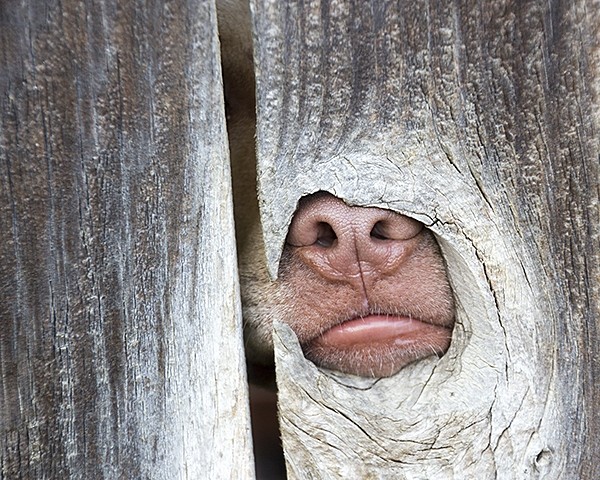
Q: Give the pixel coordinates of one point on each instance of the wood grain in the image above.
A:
(120, 330)
(481, 120)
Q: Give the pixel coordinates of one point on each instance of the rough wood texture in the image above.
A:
(120, 339)
(481, 120)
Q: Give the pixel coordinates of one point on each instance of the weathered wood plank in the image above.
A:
(481, 120)
(120, 337)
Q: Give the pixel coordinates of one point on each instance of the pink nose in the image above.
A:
(339, 241)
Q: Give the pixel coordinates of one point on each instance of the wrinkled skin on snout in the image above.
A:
(364, 289)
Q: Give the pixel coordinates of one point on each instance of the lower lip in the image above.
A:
(374, 329)
(377, 345)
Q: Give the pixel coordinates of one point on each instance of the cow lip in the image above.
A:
(372, 329)
(377, 345)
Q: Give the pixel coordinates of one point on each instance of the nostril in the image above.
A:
(378, 231)
(394, 226)
(325, 235)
